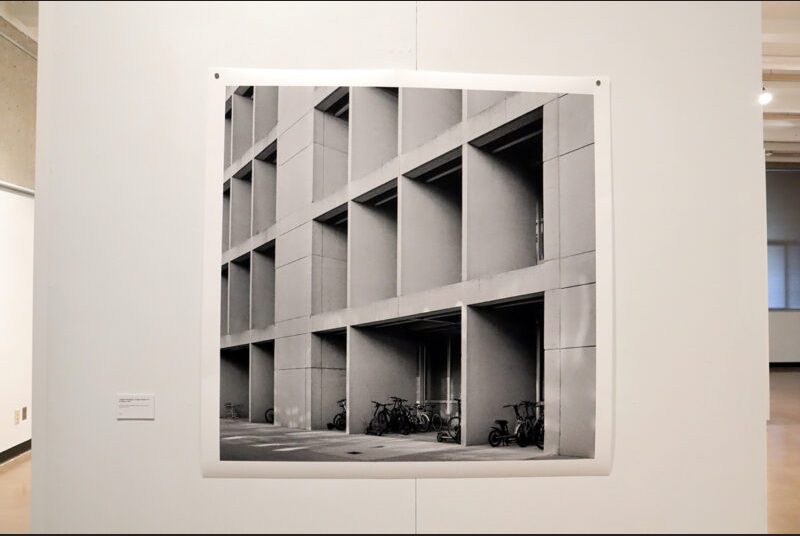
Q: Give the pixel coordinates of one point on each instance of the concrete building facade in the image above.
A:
(432, 244)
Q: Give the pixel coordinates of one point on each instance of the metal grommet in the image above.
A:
(216, 75)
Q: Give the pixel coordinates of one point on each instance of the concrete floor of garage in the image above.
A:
(243, 441)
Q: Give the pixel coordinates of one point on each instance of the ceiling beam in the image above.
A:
(781, 116)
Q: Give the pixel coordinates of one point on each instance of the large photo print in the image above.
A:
(407, 275)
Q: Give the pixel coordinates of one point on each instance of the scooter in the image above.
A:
(502, 435)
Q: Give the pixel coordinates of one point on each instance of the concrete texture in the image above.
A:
(507, 239)
(264, 187)
(478, 101)
(241, 125)
(430, 235)
(381, 364)
(373, 124)
(239, 296)
(330, 154)
(262, 380)
(426, 113)
(262, 274)
(265, 111)
(241, 206)
(373, 252)
(577, 402)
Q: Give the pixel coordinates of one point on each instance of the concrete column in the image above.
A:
(380, 364)
(330, 154)
(329, 376)
(262, 380)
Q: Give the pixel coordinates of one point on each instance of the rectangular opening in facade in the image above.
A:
(373, 243)
(416, 358)
(239, 294)
(331, 131)
(224, 301)
(505, 197)
(373, 120)
(262, 382)
(242, 121)
(427, 113)
(504, 362)
(265, 111)
(263, 282)
(264, 188)
(241, 205)
(234, 387)
(430, 205)
(328, 379)
(226, 216)
(228, 132)
(329, 262)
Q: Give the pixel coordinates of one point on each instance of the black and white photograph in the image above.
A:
(407, 275)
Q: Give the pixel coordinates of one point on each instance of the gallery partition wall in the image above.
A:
(431, 244)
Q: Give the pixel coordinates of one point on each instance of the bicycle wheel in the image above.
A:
(269, 416)
(454, 428)
(538, 434)
(423, 423)
(436, 422)
(523, 434)
(383, 422)
(494, 438)
(339, 422)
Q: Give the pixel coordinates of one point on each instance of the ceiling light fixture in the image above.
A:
(765, 97)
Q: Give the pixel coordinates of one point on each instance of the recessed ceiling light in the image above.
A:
(765, 97)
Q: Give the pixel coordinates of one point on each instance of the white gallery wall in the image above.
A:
(118, 281)
(16, 313)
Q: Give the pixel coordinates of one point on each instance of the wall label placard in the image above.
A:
(136, 407)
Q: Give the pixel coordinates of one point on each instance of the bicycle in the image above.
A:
(502, 435)
(453, 432)
(380, 419)
(340, 419)
(269, 416)
(231, 411)
(422, 421)
(436, 420)
(399, 416)
(535, 415)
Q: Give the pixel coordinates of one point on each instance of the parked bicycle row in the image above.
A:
(528, 428)
(400, 417)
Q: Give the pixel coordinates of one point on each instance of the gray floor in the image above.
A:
(240, 440)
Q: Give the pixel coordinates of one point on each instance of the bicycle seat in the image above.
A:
(509, 406)
(501, 422)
